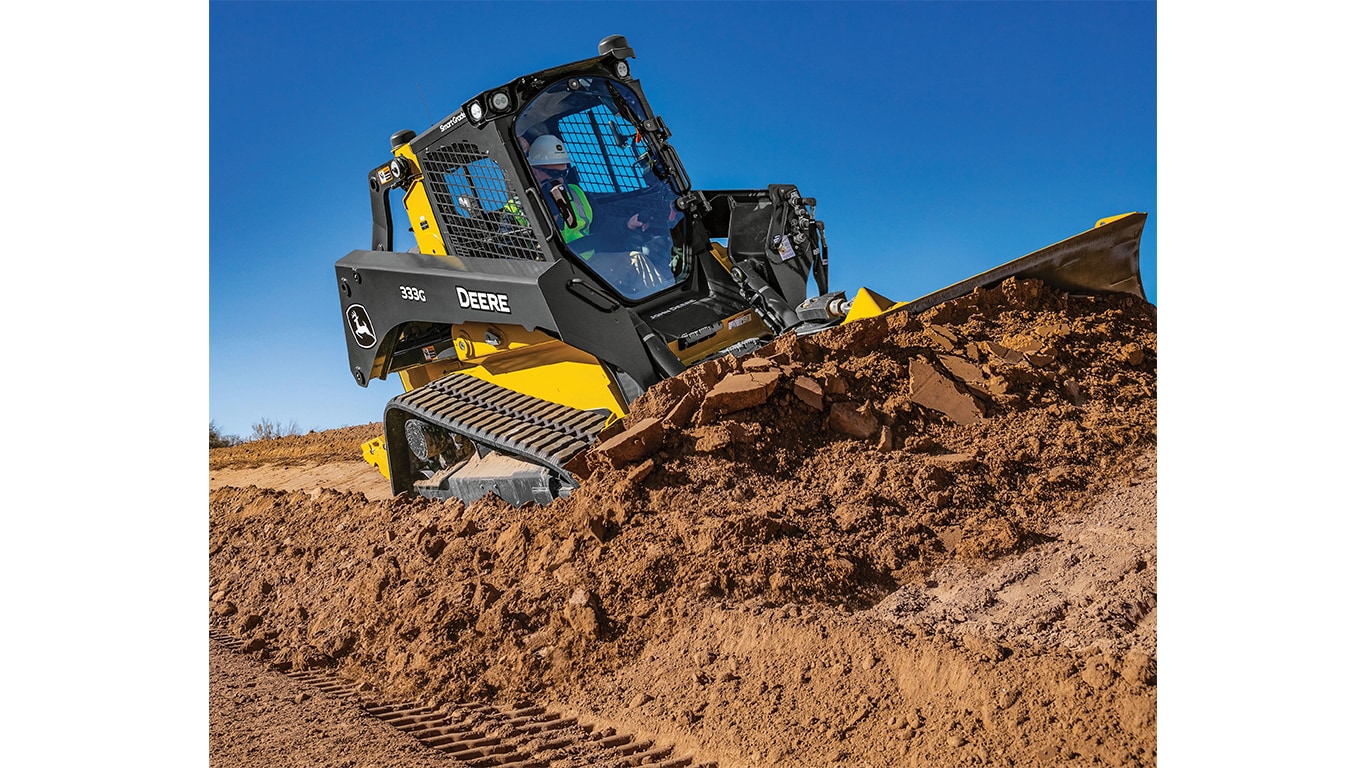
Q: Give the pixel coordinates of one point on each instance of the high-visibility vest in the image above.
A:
(583, 211)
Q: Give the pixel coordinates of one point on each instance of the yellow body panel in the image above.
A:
(722, 255)
(733, 330)
(419, 207)
(529, 362)
(573, 383)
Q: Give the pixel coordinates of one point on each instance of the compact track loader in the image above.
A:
(564, 263)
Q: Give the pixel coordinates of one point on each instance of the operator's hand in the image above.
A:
(637, 224)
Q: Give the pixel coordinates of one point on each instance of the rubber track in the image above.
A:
(486, 736)
(528, 427)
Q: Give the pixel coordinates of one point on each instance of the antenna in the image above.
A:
(430, 121)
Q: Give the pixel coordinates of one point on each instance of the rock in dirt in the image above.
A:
(885, 441)
(1004, 354)
(1073, 391)
(640, 471)
(942, 337)
(682, 413)
(635, 443)
(581, 613)
(858, 421)
(809, 392)
(964, 371)
(737, 392)
(937, 392)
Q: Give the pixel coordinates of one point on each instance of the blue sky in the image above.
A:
(939, 139)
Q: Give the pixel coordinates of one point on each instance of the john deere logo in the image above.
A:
(359, 322)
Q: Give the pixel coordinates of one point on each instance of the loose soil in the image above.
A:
(913, 540)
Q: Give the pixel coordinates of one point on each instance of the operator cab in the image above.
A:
(584, 140)
(569, 169)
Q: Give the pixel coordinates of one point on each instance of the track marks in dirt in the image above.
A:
(483, 735)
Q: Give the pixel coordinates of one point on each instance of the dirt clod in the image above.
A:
(938, 392)
(858, 421)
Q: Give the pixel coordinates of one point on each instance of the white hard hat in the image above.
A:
(547, 150)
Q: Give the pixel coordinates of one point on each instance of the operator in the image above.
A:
(550, 163)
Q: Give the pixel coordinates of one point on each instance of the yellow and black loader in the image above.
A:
(564, 264)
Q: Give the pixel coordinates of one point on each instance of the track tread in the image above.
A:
(535, 430)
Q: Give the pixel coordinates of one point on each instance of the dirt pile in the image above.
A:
(302, 463)
(296, 450)
(820, 554)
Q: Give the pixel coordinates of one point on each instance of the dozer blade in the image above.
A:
(1103, 259)
(375, 454)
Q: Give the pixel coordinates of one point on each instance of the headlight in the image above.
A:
(500, 101)
(623, 70)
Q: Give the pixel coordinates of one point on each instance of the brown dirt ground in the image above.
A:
(927, 540)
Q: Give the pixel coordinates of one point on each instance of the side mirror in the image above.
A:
(560, 196)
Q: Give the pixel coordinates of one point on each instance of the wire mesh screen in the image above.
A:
(600, 143)
(477, 212)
